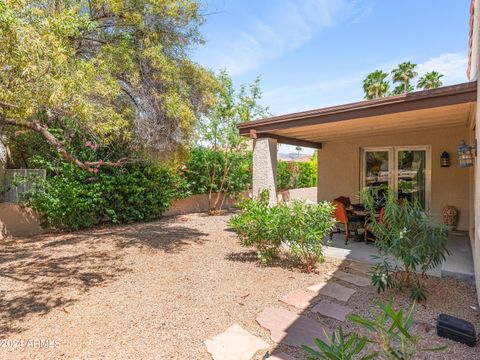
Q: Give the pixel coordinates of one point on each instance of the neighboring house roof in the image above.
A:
(446, 105)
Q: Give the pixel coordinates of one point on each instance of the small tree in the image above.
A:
(219, 131)
(407, 233)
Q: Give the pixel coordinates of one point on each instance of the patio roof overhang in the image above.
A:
(416, 111)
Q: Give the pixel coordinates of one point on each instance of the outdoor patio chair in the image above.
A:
(350, 223)
(368, 233)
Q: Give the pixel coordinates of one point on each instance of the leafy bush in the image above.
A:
(284, 176)
(294, 175)
(261, 225)
(411, 236)
(307, 174)
(74, 199)
(389, 331)
(300, 225)
(197, 171)
(308, 224)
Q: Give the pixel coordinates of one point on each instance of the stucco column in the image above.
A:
(265, 168)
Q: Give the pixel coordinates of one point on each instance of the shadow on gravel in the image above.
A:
(51, 271)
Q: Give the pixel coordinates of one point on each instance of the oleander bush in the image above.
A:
(389, 332)
(408, 234)
(308, 224)
(299, 225)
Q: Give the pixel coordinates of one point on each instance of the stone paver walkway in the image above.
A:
(352, 278)
(332, 290)
(331, 309)
(299, 298)
(235, 344)
(360, 267)
(289, 328)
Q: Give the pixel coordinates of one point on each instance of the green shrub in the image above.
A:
(307, 175)
(411, 236)
(197, 171)
(307, 226)
(284, 176)
(295, 175)
(75, 199)
(261, 225)
(300, 225)
(389, 332)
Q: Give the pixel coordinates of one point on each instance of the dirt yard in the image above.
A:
(159, 290)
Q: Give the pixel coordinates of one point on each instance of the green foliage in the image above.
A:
(411, 236)
(307, 174)
(261, 225)
(117, 68)
(430, 80)
(198, 180)
(284, 176)
(338, 347)
(219, 131)
(74, 199)
(308, 224)
(375, 85)
(389, 331)
(403, 74)
(300, 225)
(295, 175)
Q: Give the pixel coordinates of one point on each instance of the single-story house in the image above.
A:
(402, 141)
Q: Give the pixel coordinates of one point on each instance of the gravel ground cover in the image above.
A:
(159, 290)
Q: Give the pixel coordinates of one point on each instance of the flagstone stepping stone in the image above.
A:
(360, 267)
(289, 328)
(333, 290)
(352, 278)
(299, 298)
(331, 309)
(235, 344)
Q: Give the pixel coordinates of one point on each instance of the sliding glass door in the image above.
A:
(405, 169)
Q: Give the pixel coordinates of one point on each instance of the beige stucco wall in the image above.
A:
(339, 168)
(16, 220)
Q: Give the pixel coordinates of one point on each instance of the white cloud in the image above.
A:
(286, 27)
(452, 65)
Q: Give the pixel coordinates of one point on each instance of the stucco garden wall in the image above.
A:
(18, 221)
(339, 168)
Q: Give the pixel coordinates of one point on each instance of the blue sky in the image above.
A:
(315, 53)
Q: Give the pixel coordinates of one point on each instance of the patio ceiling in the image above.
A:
(442, 107)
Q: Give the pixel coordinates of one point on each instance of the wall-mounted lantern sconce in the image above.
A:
(445, 159)
(465, 154)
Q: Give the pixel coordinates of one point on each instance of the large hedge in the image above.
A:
(294, 175)
(75, 199)
(197, 170)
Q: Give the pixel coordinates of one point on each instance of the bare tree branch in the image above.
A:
(91, 166)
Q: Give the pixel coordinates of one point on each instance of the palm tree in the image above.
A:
(400, 89)
(375, 86)
(298, 148)
(430, 80)
(403, 74)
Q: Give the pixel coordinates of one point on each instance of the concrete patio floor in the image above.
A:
(459, 264)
